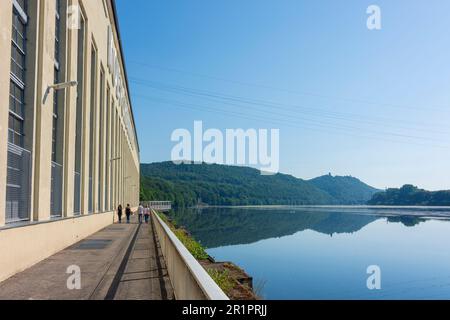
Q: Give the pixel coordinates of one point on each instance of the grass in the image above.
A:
(222, 278)
(195, 248)
(259, 286)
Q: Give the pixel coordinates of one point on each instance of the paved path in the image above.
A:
(120, 262)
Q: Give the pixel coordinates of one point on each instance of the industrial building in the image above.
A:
(69, 153)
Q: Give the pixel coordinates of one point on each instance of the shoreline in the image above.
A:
(326, 206)
(424, 212)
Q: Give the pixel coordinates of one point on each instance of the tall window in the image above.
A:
(18, 186)
(17, 84)
(92, 126)
(113, 160)
(101, 146)
(116, 156)
(79, 117)
(58, 110)
(108, 148)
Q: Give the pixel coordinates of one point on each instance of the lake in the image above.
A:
(324, 252)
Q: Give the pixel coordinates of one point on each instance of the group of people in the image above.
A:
(143, 213)
(127, 212)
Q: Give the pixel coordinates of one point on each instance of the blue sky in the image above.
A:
(371, 104)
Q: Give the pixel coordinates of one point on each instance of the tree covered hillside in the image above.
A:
(410, 195)
(346, 190)
(187, 185)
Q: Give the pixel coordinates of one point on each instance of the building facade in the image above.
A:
(69, 153)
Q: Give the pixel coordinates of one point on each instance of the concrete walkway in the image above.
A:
(120, 262)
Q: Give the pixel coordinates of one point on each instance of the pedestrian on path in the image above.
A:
(128, 213)
(119, 213)
(140, 212)
(146, 214)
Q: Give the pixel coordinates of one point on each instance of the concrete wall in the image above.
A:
(189, 279)
(23, 247)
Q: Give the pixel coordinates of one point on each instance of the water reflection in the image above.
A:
(324, 252)
(218, 227)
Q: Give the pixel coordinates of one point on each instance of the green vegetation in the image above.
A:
(223, 279)
(195, 248)
(410, 195)
(346, 190)
(188, 185)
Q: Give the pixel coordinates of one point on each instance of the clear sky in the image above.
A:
(371, 104)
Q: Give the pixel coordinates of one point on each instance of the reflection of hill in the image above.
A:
(407, 221)
(215, 227)
(337, 222)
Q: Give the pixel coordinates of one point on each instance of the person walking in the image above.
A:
(128, 213)
(140, 212)
(119, 213)
(146, 214)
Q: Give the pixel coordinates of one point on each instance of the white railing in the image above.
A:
(189, 279)
(159, 205)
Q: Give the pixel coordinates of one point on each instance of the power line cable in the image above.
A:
(342, 126)
(279, 121)
(303, 93)
(262, 103)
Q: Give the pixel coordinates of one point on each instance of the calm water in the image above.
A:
(323, 253)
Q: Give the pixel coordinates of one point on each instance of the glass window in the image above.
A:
(58, 30)
(101, 145)
(17, 86)
(15, 133)
(16, 114)
(79, 116)
(16, 99)
(18, 47)
(18, 185)
(92, 126)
